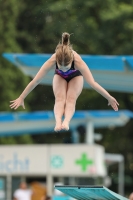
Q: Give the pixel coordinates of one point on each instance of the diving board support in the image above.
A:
(8, 186)
(90, 132)
(121, 177)
(117, 158)
(75, 136)
(49, 184)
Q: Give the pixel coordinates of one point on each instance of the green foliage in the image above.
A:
(98, 27)
(9, 11)
(12, 81)
(23, 139)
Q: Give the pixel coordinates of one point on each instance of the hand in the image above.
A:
(112, 102)
(16, 103)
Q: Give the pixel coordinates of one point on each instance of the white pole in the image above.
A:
(72, 181)
(121, 178)
(90, 133)
(75, 136)
(50, 184)
(9, 187)
(49, 175)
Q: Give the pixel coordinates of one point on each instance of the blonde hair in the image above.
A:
(64, 54)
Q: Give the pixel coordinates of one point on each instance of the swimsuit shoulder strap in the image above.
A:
(56, 66)
(72, 66)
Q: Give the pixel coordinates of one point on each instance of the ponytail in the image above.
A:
(64, 50)
(65, 38)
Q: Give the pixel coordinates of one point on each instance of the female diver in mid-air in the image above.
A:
(67, 83)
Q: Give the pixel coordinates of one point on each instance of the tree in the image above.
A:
(12, 81)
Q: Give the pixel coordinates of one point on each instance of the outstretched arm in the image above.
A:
(37, 79)
(83, 68)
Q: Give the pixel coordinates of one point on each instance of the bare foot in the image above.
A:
(65, 125)
(57, 127)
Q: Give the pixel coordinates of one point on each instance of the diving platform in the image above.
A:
(89, 192)
(114, 73)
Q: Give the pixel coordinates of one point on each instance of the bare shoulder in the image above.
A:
(77, 57)
(79, 64)
(51, 61)
(53, 57)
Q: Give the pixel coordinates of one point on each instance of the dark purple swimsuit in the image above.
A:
(68, 75)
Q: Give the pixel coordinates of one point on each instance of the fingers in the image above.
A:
(16, 103)
(14, 106)
(116, 102)
(115, 107)
(12, 101)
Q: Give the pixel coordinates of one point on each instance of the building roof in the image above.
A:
(114, 73)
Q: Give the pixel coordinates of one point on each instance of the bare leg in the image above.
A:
(59, 88)
(75, 87)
